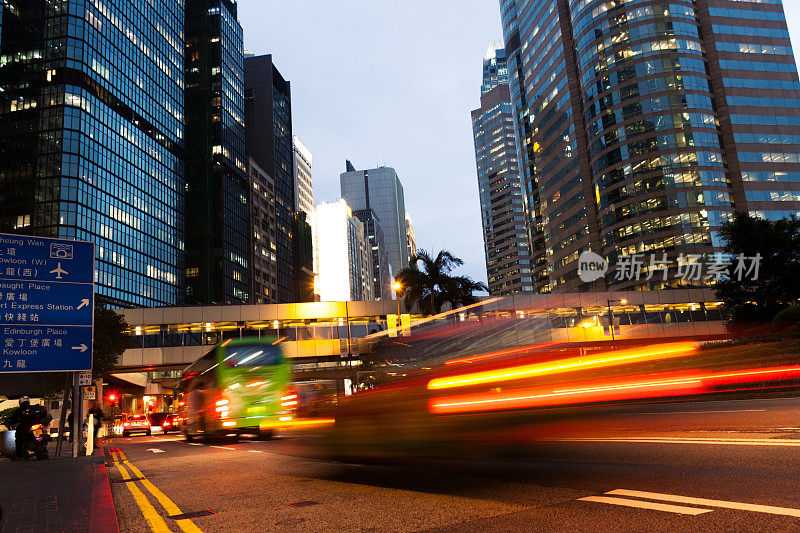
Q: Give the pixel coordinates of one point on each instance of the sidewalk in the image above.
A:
(59, 494)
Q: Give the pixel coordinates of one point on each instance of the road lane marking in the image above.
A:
(186, 525)
(646, 505)
(688, 440)
(222, 447)
(692, 412)
(256, 451)
(786, 511)
(194, 443)
(149, 512)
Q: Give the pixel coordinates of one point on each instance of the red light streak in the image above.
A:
(629, 388)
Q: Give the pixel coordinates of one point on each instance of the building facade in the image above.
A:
(303, 186)
(268, 114)
(92, 137)
(505, 234)
(381, 275)
(342, 254)
(380, 189)
(217, 248)
(411, 237)
(641, 128)
(263, 261)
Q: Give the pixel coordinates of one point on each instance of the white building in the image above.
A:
(303, 186)
(342, 254)
(412, 239)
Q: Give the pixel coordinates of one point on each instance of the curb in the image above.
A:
(102, 513)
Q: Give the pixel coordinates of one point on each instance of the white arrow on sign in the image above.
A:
(155, 450)
(84, 303)
(82, 348)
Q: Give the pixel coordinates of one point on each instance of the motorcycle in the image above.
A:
(31, 437)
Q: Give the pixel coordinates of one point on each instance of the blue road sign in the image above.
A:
(46, 304)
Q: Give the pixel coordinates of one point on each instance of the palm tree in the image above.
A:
(428, 282)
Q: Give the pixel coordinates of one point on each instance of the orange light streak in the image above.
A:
(501, 353)
(634, 387)
(603, 360)
(286, 424)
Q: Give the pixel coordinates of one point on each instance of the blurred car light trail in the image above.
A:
(501, 353)
(629, 388)
(602, 360)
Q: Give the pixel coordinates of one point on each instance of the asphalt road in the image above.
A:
(711, 466)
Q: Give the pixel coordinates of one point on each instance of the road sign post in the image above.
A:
(46, 304)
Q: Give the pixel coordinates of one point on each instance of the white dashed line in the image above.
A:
(222, 447)
(786, 511)
(646, 505)
(698, 440)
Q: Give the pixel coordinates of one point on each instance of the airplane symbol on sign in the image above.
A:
(59, 271)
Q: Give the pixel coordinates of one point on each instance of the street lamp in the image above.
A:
(397, 288)
(623, 301)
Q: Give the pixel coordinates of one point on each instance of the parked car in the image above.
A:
(164, 421)
(136, 424)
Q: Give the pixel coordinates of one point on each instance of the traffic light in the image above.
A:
(113, 398)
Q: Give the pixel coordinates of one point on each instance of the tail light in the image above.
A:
(166, 423)
(223, 407)
(36, 426)
(289, 400)
(126, 424)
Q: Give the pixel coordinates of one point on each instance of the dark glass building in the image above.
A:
(92, 137)
(381, 279)
(505, 235)
(642, 126)
(217, 247)
(268, 111)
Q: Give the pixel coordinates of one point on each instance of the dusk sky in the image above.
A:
(393, 83)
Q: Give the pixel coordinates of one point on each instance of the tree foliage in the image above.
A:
(110, 340)
(778, 283)
(428, 282)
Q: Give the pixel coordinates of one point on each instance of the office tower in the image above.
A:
(342, 254)
(381, 276)
(641, 129)
(303, 186)
(495, 68)
(217, 248)
(380, 189)
(263, 261)
(411, 237)
(268, 114)
(91, 137)
(505, 235)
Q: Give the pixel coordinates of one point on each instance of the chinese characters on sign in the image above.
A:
(46, 304)
(688, 267)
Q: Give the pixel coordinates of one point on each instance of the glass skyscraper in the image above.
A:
(505, 235)
(92, 137)
(380, 190)
(642, 126)
(268, 108)
(217, 247)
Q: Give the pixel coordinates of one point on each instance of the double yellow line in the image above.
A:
(152, 516)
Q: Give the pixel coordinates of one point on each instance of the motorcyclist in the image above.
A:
(21, 420)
